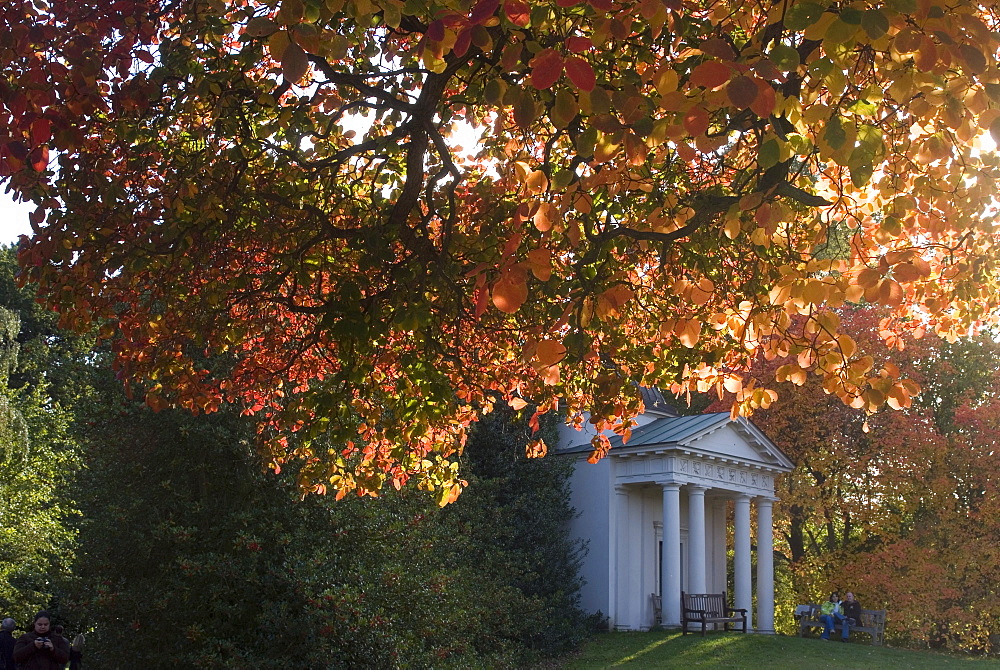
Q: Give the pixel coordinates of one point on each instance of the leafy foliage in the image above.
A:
(899, 507)
(39, 454)
(227, 568)
(655, 196)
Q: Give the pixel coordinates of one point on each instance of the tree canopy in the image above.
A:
(263, 201)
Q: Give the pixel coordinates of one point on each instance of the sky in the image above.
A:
(13, 219)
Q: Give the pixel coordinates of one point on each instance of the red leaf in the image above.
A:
(517, 12)
(567, 3)
(484, 10)
(546, 68)
(719, 48)
(580, 73)
(463, 41)
(696, 121)
(742, 91)
(579, 44)
(435, 31)
(39, 158)
(294, 63)
(41, 131)
(711, 74)
(603, 5)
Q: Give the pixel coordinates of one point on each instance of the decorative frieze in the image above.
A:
(692, 469)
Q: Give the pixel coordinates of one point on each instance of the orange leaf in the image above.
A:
(868, 277)
(540, 261)
(688, 331)
(536, 449)
(509, 293)
(550, 352)
(580, 73)
(906, 273)
(711, 74)
(517, 403)
(890, 293)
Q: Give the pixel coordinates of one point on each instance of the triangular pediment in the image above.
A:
(712, 435)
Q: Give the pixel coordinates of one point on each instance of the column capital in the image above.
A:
(621, 489)
(673, 486)
(742, 498)
(696, 489)
(765, 500)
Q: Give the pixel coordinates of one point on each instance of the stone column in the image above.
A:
(765, 567)
(670, 581)
(741, 558)
(696, 539)
(619, 559)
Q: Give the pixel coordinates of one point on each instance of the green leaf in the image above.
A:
(769, 154)
(862, 108)
(803, 15)
(851, 15)
(875, 23)
(785, 57)
(834, 134)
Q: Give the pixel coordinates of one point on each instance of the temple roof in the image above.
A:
(691, 433)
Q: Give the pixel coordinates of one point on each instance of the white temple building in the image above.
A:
(654, 514)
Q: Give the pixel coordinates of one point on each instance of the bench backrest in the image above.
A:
(873, 618)
(705, 602)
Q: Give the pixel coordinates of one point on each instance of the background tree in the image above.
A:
(226, 567)
(896, 506)
(651, 199)
(40, 452)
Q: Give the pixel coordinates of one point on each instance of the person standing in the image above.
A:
(7, 644)
(40, 648)
(76, 652)
(831, 614)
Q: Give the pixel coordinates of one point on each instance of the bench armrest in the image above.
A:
(736, 609)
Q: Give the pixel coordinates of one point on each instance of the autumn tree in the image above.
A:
(899, 506)
(652, 192)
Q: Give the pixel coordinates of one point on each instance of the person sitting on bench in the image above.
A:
(831, 615)
(852, 609)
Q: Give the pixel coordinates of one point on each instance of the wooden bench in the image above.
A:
(709, 608)
(872, 622)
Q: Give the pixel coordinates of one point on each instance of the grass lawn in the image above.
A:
(668, 649)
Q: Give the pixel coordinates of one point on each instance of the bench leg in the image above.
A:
(703, 629)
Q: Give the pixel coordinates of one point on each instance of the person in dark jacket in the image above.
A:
(7, 644)
(76, 653)
(852, 609)
(40, 648)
